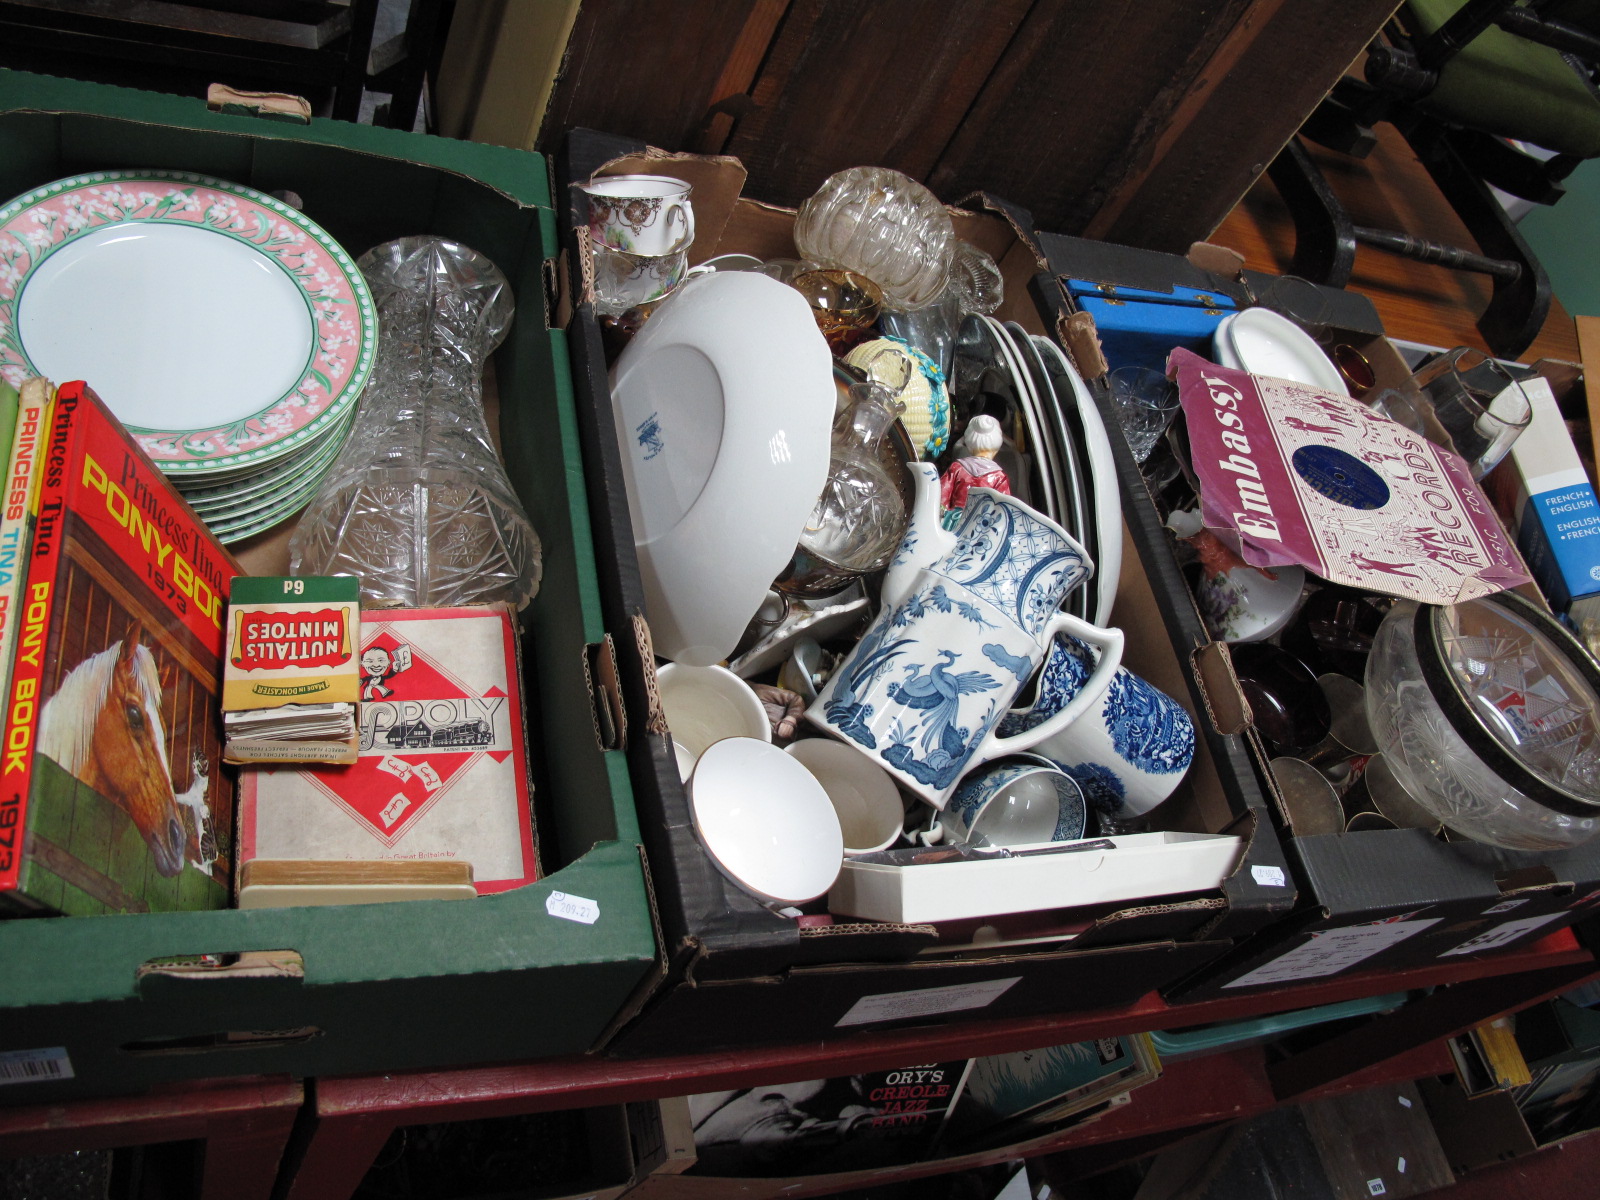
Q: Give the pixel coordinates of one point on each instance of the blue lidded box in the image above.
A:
(1139, 327)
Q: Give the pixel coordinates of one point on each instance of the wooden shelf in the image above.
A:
(244, 1123)
(354, 1116)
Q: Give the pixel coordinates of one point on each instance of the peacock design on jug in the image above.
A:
(966, 620)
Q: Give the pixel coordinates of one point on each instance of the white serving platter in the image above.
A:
(1105, 870)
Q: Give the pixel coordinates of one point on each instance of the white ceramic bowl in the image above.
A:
(703, 705)
(864, 797)
(724, 406)
(766, 821)
(1265, 343)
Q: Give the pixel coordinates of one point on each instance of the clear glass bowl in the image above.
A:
(884, 225)
(1487, 714)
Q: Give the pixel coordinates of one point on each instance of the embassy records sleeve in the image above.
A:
(442, 771)
(1301, 476)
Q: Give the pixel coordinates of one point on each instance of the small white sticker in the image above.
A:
(1405, 1101)
(1375, 1187)
(1269, 876)
(1505, 906)
(893, 1006)
(572, 908)
(1506, 931)
(1400, 1165)
(35, 1066)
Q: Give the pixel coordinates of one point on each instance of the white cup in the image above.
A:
(703, 705)
(869, 805)
(640, 214)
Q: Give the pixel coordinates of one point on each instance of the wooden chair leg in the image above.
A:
(1325, 241)
(1517, 310)
(352, 83)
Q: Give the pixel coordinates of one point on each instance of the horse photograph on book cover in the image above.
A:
(104, 725)
(143, 821)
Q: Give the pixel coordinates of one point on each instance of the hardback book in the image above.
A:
(825, 1126)
(291, 678)
(112, 796)
(441, 769)
(22, 418)
(1549, 505)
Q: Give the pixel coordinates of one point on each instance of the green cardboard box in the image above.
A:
(95, 1005)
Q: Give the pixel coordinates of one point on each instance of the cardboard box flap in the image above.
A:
(1148, 270)
(1351, 312)
(1176, 920)
(875, 941)
(1226, 706)
(1356, 873)
(864, 942)
(1076, 331)
(1219, 260)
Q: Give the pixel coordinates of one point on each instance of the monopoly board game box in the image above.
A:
(441, 767)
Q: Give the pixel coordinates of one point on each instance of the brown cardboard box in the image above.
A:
(740, 974)
(1389, 899)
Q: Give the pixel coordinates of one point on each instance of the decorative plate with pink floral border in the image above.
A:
(221, 326)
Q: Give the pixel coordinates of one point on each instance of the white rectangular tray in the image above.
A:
(1128, 867)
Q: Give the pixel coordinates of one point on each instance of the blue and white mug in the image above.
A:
(1017, 801)
(1129, 752)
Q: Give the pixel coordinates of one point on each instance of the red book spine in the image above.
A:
(23, 702)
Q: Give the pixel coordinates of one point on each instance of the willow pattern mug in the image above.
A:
(1129, 752)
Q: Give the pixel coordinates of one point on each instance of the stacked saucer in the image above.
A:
(231, 335)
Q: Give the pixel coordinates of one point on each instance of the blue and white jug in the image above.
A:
(955, 643)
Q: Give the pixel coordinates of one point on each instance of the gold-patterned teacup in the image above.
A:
(647, 215)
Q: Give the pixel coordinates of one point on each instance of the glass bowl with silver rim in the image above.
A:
(1488, 714)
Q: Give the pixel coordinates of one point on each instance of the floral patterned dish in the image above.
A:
(292, 499)
(223, 327)
(256, 497)
(230, 493)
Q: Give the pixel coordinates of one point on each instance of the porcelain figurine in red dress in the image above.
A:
(977, 469)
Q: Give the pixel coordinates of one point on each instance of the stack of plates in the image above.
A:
(1073, 477)
(231, 335)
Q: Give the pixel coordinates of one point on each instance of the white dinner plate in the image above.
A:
(1268, 344)
(765, 820)
(1105, 490)
(724, 405)
(220, 325)
(1077, 504)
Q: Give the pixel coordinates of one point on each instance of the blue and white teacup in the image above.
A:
(1128, 752)
(1016, 801)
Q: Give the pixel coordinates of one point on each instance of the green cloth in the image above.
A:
(1512, 87)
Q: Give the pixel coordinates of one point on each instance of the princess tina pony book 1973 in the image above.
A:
(112, 797)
